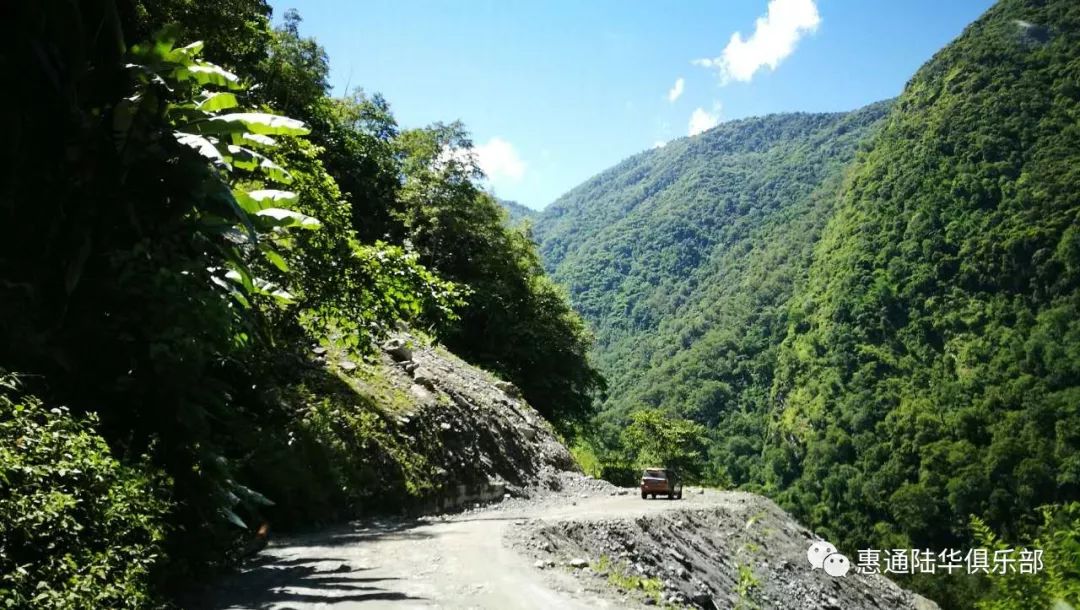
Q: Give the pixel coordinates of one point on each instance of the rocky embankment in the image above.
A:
(486, 441)
(716, 549)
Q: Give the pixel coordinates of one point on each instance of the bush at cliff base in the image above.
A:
(77, 528)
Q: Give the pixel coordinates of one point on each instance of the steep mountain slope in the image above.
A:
(682, 258)
(517, 213)
(932, 369)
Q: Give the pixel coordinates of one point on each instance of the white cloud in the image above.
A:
(676, 90)
(774, 38)
(702, 120)
(499, 159)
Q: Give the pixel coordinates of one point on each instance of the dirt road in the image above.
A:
(457, 562)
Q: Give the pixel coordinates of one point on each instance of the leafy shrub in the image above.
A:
(654, 438)
(77, 528)
(1058, 584)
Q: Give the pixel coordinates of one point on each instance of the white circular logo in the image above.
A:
(818, 552)
(837, 565)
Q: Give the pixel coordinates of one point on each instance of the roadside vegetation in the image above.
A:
(193, 220)
(622, 576)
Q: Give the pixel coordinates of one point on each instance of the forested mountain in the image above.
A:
(931, 368)
(683, 257)
(888, 340)
(517, 212)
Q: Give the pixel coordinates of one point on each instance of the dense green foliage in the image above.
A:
(421, 187)
(886, 349)
(517, 323)
(179, 251)
(684, 258)
(77, 528)
(1058, 586)
(146, 272)
(932, 367)
(516, 212)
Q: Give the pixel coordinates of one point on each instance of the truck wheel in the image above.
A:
(644, 496)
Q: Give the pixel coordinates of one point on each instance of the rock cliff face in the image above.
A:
(485, 439)
(411, 430)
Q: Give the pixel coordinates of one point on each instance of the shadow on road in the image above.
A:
(314, 569)
(278, 579)
(307, 581)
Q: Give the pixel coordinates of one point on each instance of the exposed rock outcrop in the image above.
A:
(490, 442)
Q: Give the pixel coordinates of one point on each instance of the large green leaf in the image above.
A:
(217, 100)
(203, 145)
(234, 292)
(231, 200)
(185, 54)
(208, 74)
(254, 122)
(233, 518)
(253, 496)
(245, 158)
(274, 291)
(183, 115)
(253, 139)
(279, 217)
(275, 258)
(240, 275)
(254, 201)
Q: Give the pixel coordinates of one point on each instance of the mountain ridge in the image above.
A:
(516, 212)
(701, 228)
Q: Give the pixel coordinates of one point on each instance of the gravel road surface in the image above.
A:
(521, 554)
(459, 561)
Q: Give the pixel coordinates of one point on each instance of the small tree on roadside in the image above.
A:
(656, 438)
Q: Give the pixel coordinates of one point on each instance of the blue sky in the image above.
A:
(555, 91)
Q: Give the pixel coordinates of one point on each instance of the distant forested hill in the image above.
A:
(876, 315)
(516, 211)
(683, 258)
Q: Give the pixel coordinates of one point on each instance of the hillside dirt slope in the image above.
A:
(522, 553)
